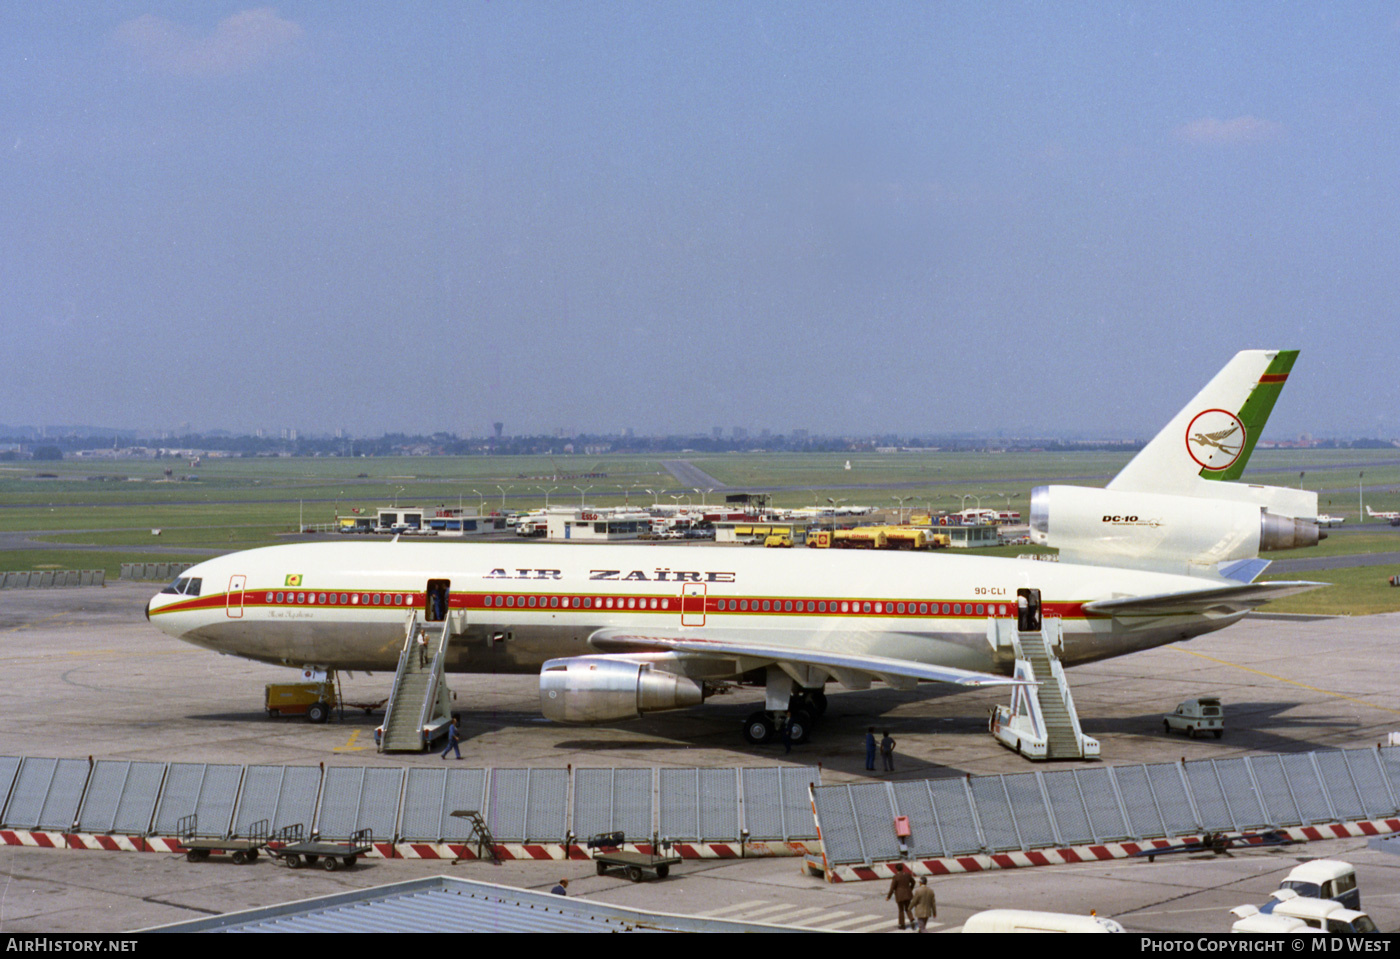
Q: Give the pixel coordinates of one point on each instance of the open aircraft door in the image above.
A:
(234, 602)
(693, 604)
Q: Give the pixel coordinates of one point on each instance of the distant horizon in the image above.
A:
(33, 434)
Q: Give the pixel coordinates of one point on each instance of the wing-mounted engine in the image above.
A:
(601, 689)
(1169, 532)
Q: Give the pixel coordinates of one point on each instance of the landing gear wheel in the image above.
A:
(293, 862)
(799, 727)
(602, 869)
(662, 871)
(239, 857)
(330, 864)
(634, 873)
(759, 729)
(318, 712)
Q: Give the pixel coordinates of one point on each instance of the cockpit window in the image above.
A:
(184, 586)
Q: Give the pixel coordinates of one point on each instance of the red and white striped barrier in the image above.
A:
(1095, 853)
(505, 851)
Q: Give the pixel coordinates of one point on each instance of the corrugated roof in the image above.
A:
(449, 904)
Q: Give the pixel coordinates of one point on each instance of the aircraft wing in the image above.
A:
(1233, 598)
(852, 670)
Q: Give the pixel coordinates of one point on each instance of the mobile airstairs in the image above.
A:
(1040, 723)
(420, 705)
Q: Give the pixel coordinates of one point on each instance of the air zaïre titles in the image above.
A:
(616, 575)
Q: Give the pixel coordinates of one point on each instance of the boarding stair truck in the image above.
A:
(420, 705)
(1040, 722)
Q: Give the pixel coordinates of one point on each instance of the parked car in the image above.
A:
(1325, 914)
(1203, 714)
(1325, 879)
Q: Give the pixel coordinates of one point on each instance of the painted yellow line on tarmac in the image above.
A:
(350, 746)
(30, 625)
(1291, 682)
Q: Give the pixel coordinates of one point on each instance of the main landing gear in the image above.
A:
(805, 707)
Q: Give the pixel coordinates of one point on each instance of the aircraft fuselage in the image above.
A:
(514, 606)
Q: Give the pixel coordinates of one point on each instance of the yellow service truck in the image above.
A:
(312, 700)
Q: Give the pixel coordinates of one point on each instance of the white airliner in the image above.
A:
(1391, 516)
(1167, 552)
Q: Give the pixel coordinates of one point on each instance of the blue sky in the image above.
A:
(840, 217)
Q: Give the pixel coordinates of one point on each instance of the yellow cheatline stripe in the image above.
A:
(1291, 682)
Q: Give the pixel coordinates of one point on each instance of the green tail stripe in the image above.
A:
(1255, 413)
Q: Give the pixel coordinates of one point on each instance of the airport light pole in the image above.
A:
(503, 495)
(1360, 510)
(901, 500)
(481, 502)
(834, 503)
(546, 493)
(654, 497)
(581, 491)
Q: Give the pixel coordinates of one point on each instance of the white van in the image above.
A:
(1325, 879)
(1252, 920)
(1025, 920)
(1327, 915)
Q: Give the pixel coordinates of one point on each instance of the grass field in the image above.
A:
(1354, 592)
(239, 503)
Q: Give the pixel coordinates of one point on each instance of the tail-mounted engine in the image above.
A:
(600, 689)
(1161, 531)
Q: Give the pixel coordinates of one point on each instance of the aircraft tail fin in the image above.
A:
(1213, 435)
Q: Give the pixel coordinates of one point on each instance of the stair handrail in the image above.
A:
(1057, 670)
(434, 675)
(398, 675)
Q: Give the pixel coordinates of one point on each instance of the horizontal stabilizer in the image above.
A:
(732, 644)
(1219, 599)
(1244, 570)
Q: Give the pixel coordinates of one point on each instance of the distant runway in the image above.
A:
(691, 476)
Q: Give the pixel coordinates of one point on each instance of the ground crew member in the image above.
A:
(923, 905)
(887, 752)
(870, 748)
(902, 889)
(452, 740)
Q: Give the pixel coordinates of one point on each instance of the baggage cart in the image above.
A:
(296, 851)
(241, 850)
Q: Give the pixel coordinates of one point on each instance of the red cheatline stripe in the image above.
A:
(1273, 377)
(964, 610)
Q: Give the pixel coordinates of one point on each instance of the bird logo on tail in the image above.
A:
(1214, 439)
